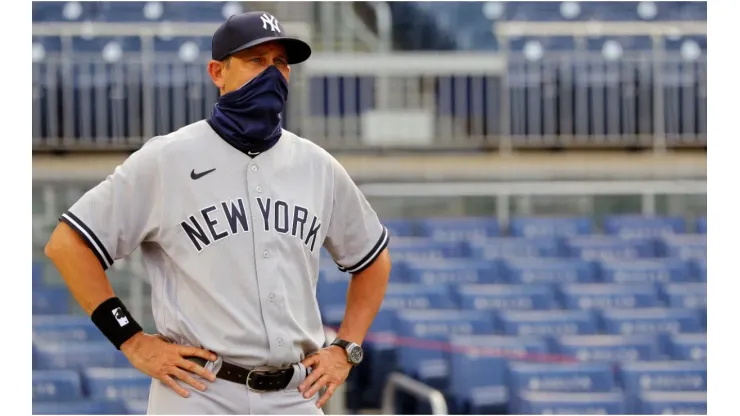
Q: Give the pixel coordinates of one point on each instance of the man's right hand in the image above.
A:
(159, 359)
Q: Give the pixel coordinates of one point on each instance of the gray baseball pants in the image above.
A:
(228, 398)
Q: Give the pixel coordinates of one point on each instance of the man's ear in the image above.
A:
(215, 70)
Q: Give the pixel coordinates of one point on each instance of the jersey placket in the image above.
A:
(268, 287)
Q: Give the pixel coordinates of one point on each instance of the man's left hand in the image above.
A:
(330, 368)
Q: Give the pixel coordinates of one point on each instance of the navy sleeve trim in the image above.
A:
(90, 238)
(371, 256)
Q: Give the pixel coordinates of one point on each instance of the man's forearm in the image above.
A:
(364, 297)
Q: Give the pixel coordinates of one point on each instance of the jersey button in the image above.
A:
(254, 168)
(265, 254)
(259, 189)
(271, 297)
(280, 342)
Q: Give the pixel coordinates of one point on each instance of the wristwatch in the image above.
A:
(354, 351)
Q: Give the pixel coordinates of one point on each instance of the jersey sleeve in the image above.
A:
(115, 216)
(355, 236)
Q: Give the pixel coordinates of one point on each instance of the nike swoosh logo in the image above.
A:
(195, 176)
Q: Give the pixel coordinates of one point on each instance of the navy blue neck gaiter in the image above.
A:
(249, 117)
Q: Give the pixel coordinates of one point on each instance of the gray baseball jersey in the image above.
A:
(231, 243)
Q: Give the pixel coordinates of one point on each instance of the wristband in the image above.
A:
(115, 322)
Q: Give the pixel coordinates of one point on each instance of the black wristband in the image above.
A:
(115, 322)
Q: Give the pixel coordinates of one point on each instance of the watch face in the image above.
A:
(355, 355)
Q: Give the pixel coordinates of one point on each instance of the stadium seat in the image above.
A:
(56, 385)
(700, 225)
(700, 269)
(81, 407)
(659, 321)
(451, 272)
(424, 334)
(506, 297)
(135, 11)
(673, 403)
(609, 348)
(656, 270)
(599, 247)
(560, 403)
(606, 295)
(637, 226)
(688, 347)
(502, 247)
(566, 377)
(549, 227)
(458, 229)
(417, 248)
(116, 383)
(478, 368)
(205, 11)
(79, 355)
(399, 227)
(639, 377)
(68, 11)
(56, 300)
(684, 246)
(58, 328)
(331, 294)
(547, 270)
(547, 323)
(685, 295)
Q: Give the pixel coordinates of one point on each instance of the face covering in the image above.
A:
(249, 118)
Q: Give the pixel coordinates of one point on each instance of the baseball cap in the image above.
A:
(242, 31)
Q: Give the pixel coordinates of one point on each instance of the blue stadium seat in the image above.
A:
(79, 355)
(638, 377)
(56, 385)
(413, 248)
(204, 11)
(559, 403)
(424, 358)
(700, 225)
(447, 272)
(633, 226)
(685, 295)
(478, 369)
(459, 229)
(59, 328)
(673, 403)
(565, 377)
(108, 47)
(547, 323)
(609, 348)
(687, 44)
(400, 227)
(116, 383)
(502, 247)
(81, 407)
(543, 45)
(51, 300)
(599, 247)
(549, 227)
(605, 45)
(605, 295)
(68, 11)
(699, 269)
(135, 11)
(506, 297)
(688, 347)
(684, 246)
(645, 271)
(659, 321)
(37, 276)
(136, 407)
(331, 293)
(547, 270)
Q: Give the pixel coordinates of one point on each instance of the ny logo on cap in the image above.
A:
(270, 20)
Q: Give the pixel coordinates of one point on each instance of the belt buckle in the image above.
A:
(249, 375)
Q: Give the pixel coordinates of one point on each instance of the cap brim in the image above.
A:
(298, 51)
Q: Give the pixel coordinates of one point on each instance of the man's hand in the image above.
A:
(159, 359)
(329, 368)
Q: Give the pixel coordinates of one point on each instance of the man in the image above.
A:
(230, 214)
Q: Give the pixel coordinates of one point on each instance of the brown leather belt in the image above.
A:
(257, 379)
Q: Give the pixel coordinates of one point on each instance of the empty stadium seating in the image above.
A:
(621, 320)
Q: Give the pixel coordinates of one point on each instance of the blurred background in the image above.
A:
(541, 166)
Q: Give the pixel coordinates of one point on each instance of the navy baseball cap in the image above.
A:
(242, 31)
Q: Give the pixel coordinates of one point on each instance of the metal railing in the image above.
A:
(401, 382)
